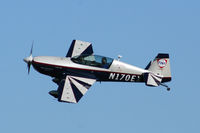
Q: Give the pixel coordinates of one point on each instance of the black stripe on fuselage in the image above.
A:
(92, 70)
(99, 74)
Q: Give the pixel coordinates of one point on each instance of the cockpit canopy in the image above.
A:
(93, 60)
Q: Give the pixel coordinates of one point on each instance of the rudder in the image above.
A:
(161, 66)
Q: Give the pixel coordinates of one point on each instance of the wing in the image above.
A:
(73, 88)
(79, 47)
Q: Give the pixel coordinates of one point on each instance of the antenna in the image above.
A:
(119, 57)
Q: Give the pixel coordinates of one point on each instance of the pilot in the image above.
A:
(81, 60)
(104, 62)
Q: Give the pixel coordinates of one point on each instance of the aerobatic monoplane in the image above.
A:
(80, 69)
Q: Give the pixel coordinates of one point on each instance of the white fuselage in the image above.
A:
(118, 71)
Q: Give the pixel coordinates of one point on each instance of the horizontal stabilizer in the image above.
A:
(152, 80)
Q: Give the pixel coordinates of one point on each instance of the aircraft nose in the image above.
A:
(28, 59)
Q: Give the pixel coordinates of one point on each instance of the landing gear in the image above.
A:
(54, 93)
(168, 89)
(56, 80)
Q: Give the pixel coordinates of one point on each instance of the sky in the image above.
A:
(137, 30)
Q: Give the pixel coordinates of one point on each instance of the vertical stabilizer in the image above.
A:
(160, 66)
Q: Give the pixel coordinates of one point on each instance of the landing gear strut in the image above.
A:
(168, 89)
(56, 80)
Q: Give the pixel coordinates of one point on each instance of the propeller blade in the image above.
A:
(29, 59)
(32, 48)
(29, 67)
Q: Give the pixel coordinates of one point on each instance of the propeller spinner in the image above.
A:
(29, 59)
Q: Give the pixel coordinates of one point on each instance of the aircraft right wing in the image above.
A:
(73, 88)
(79, 47)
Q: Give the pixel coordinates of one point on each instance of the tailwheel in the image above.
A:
(168, 89)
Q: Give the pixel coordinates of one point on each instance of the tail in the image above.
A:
(159, 70)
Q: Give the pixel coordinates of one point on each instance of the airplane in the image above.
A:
(80, 69)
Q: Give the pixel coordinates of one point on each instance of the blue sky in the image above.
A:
(137, 30)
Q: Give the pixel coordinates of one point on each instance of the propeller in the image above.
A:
(29, 59)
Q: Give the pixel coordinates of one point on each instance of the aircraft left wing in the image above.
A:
(79, 47)
(73, 88)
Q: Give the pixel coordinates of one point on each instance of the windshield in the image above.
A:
(93, 60)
